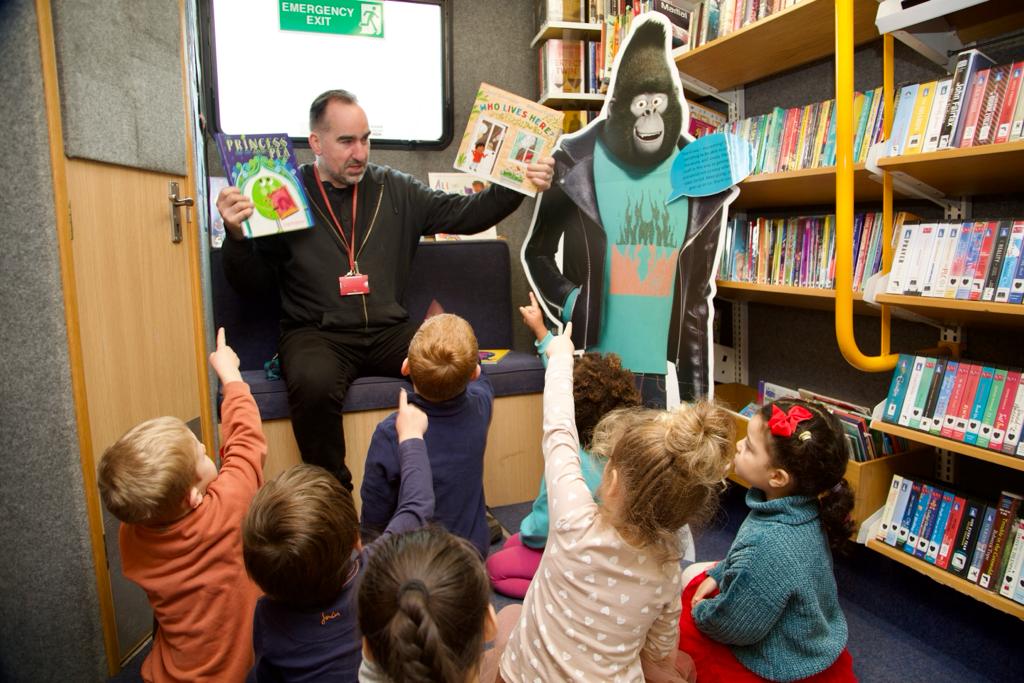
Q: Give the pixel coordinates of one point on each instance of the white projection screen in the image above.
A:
(264, 77)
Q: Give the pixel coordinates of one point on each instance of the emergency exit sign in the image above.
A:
(346, 17)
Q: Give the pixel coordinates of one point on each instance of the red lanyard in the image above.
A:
(350, 245)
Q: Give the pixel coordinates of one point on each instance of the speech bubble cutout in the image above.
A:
(709, 165)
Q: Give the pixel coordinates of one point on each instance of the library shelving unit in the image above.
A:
(986, 169)
(815, 298)
(558, 29)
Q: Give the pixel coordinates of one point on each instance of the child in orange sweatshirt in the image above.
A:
(181, 532)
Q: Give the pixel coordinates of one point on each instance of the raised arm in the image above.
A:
(244, 446)
(416, 488)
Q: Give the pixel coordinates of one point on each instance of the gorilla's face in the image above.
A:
(649, 129)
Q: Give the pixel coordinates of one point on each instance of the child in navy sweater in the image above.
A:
(300, 542)
(770, 610)
(444, 366)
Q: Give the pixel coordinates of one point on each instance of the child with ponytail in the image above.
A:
(770, 610)
(424, 611)
(604, 603)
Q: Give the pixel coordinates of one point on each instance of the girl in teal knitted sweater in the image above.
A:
(770, 610)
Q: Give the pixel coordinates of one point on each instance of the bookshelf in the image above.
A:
(804, 187)
(566, 29)
(957, 311)
(573, 101)
(948, 579)
(814, 298)
(970, 451)
(790, 38)
(986, 169)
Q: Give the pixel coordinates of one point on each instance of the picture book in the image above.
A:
(503, 135)
(264, 168)
(461, 184)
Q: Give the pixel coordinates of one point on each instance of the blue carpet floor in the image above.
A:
(903, 626)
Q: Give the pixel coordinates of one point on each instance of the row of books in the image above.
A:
(979, 104)
(973, 261)
(805, 137)
(703, 120)
(614, 17)
(718, 18)
(974, 403)
(799, 251)
(863, 443)
(980, 543)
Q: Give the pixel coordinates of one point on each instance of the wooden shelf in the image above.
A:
(805, 187)
(800, 34)
(988, 169)
(782, 295)
(987, 20)
(957, 311)
(572, 101)
(948, 579)
(970, 451)
(568, 29)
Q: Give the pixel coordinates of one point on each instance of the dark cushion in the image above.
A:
(470, 278)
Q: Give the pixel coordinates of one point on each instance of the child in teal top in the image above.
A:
(600, 385)
(770, 610)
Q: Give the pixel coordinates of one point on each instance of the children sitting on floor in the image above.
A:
(600, 385)
(770, 610)
(444, 366)
(604, 603)
(181, 532)
(425, 612)
(301, 545)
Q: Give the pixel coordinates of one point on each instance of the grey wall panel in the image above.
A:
(120, 79)
(49, 613)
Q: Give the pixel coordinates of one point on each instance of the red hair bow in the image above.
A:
(784, 424)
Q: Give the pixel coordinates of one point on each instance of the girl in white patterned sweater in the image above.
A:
(604, 604)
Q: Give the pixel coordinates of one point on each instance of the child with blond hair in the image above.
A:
(604, 604)
(301, 545)
(444, 366)
(180, 535)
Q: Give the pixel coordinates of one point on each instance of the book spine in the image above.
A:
(939, 530)
(1015, 562)
(1017, 286)
(991, 564)
(957, 89)
(945, 393)
(872, 127)
(979, 84)
(978, 405)
(963, 290)
(901, 258)
(935, 119)
(988, 417)
(1015, 424)
(932, 397)
(1017, 127)
(1010, 262)
(988, 292)
(901, 119)
(928, 522)
(931, 264)
(887, 510)
(919, 118)
(922, 248)
(966, 538)
(1005, 122)
(956, 267)
(916, 372)
(955, 397)
(898, 510)
(984, 537)
(925, 385)
(984, 264)
(1004, 409)
(943, 259)
(903, 534)
(956, 514)
(991, 105)
(967, 400)
(920, 510)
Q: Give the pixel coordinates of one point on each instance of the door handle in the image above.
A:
(176, 201)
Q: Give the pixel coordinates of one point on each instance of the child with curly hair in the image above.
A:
(770, 610)
(600, 385)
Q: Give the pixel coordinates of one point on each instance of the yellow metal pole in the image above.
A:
(888, 69)
(844, 200)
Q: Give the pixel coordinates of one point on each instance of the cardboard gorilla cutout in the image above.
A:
(637, 270)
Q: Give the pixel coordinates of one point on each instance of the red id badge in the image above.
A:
(354, 284)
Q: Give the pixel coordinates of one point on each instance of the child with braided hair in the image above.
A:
(770, 610)
(604, 604)
(424, 611)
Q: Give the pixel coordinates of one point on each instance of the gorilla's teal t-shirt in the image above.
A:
(644, 237)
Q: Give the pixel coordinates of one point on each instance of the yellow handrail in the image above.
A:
(844, 199)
